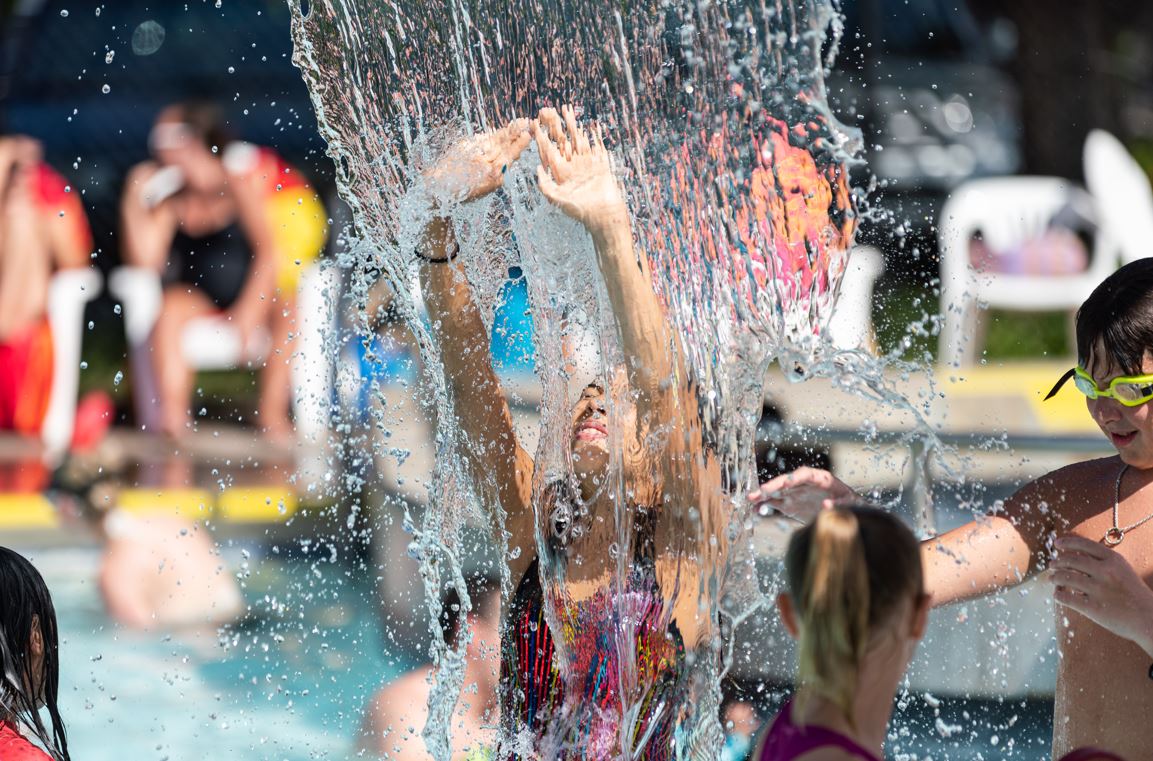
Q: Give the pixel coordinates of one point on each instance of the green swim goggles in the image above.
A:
(1129, 390)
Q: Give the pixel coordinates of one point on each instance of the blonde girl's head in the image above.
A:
(852, 575)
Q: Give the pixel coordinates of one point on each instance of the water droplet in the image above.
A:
(83, 365)
(105, 89)
(64, 14)
(117, 378)
(147, 38)
(67, 188)
(231, 69)
(91, 324)
(116, 309)
(109, 56)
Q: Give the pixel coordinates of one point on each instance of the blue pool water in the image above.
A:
(290, 686)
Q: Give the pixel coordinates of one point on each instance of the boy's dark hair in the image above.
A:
(1118, 319)
(481, 591)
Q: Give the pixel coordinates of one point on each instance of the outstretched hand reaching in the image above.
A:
(576, 174)
(802, 494)
(475, 166)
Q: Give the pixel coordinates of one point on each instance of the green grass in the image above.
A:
(902, 313)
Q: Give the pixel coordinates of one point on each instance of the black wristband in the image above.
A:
(450, 255)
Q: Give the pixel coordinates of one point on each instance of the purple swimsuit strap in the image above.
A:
(788, 741)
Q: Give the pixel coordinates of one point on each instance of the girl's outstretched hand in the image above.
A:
(576, 174)
(802, 494)
(475, 166)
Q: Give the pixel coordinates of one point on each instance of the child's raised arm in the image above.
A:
(493, 453)
(993, 552)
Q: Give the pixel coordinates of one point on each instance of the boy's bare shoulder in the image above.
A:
(1080, 476)
(1075, 486)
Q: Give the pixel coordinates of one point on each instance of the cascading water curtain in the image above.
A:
(736, 176)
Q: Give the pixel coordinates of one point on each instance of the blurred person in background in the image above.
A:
(29, 664)
(164, 572)
(43, 228)
(227, 225)
(395, 717)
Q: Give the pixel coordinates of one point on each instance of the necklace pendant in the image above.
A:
(1113, 537)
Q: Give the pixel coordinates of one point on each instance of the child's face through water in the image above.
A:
(1129, 429)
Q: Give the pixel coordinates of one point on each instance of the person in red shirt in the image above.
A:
(43, 228)
(29, 664)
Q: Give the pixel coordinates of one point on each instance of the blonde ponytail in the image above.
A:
(834, 609)
(848, 573)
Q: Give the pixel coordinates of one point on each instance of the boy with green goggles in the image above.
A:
(1130, 390)
(1088, 525)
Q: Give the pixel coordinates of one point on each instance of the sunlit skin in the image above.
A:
(648, 397)
(162, 572)
(396, 716)
(890, 649)
(1104, 597)
(209, 200)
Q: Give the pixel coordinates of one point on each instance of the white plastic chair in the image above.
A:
(211, 343)
(68, 293)
(1007, 211)
(1123, 194)
(851, 326)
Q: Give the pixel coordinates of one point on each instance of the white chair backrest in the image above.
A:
(1122, 193)
(1006, 211)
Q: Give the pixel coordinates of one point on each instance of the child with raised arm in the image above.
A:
(1090, 523)
(856, 606)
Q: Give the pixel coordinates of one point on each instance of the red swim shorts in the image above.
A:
(26, 379)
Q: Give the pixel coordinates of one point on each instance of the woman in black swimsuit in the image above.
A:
(608, 677)
(201, 222)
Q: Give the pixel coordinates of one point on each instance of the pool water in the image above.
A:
(290, 685)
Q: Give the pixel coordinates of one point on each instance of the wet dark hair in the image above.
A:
(481, 591)
(1118, 318)
(206, 120)
(848, 573)
(26, 599)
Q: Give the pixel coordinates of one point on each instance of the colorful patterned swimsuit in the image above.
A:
(534, 708)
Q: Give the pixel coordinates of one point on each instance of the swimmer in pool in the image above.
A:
(668, 472)
(1089, 525)
(394, 719)
(164, 572)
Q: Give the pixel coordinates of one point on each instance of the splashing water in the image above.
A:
(736, 175)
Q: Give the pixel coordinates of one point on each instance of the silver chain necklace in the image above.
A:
(1114, 535)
